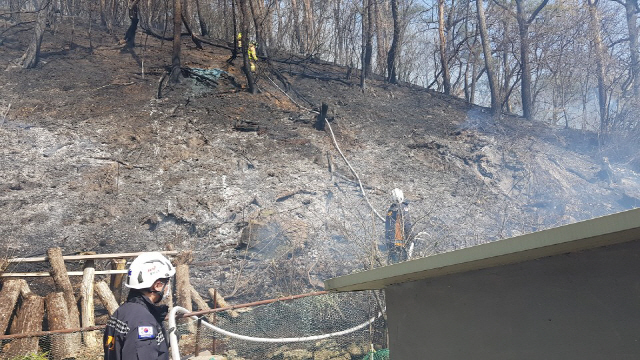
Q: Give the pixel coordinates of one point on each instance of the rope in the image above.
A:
(173, 339)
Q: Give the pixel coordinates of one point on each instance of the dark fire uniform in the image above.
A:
(135, 331)
(397, 231)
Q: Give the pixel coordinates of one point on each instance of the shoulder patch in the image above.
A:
(146, 332)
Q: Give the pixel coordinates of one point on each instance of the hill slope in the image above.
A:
(92, 161)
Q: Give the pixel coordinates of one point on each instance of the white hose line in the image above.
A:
(173, 338)
(364, 194)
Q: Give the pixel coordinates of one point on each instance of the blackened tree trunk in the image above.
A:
(525, 65)
(203, 24)
(631, 9)
(257, 16)
(32, 55)
(381, 40)
(594, 17)
(446, 76)
(496, 101)
(14, 8)
(369, 43)
(130, 35)
(393, 50)
(246, 68)
(234, 52)
(177, 29)
(297, 35)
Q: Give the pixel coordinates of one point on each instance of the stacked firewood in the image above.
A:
(22, 312)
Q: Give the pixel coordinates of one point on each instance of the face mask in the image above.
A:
(163, 292)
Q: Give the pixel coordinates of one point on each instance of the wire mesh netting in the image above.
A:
(303, 317)
(85, 345)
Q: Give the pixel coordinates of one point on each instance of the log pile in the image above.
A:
(23, 313)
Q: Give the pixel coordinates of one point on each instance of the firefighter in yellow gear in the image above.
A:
(253, 56)
(239, 37)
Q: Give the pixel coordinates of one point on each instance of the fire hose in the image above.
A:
(173, 337)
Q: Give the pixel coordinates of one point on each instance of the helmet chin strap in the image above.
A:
(160, 291)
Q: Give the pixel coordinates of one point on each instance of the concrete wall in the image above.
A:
(583, 305)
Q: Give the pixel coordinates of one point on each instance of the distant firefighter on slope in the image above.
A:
(398, 229)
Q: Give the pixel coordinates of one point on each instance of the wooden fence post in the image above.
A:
(28, 319)
(106, 296)
(116, 279)
(61, 279)
(86, 296)
(63, 346)
(8, 298)
(183, 292)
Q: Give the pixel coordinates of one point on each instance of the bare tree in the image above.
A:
(367, 41)
(177, 28)
(244, 16)
(395, 44)
(631, 12)
(444, 61)
(599, 58)
(130, 35)
(496, 102)
(524, 21)
(32, 55)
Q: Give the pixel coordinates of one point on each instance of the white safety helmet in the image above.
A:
(397, 195)
(147, 268)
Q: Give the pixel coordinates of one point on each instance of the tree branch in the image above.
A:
(536, 11)
(504, 7)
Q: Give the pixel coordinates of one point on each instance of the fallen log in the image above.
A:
(28, 319)
(63, 346)
(61, 279)
(8, 298)
(106, 297)
(86, 304)
(200, 303)
(194, 38)
(219, 302)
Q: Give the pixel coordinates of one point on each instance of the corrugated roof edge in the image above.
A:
(603, 231)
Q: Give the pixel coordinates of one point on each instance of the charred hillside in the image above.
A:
(92, 160)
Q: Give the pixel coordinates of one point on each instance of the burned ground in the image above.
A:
(92, 160)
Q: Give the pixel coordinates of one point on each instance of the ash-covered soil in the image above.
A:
(92, 160)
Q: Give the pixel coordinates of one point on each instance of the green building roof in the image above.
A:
(598, 232)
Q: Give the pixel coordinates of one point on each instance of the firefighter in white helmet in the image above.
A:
(398, 229)
(135, 330)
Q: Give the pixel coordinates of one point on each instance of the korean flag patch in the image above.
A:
(146, 332)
